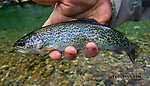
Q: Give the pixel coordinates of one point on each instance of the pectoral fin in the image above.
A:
(47, 49)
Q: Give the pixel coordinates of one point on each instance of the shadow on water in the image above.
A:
(106, 68)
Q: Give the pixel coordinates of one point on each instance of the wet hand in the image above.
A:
(91, 50)
(67, 10)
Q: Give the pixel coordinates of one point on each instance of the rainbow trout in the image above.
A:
(75, 33)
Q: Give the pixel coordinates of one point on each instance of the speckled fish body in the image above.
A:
(75, 33)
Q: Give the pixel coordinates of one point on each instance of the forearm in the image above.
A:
(45, 2)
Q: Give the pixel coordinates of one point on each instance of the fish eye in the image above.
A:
(20, 42)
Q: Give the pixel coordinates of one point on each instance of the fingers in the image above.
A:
(55, 55)
(91, 50)
(71, 53)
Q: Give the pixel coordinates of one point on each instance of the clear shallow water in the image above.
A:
(105, 69)
(17, 21)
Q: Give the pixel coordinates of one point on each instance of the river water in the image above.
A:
(107, 68)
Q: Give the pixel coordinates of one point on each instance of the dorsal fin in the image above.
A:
(93, 21)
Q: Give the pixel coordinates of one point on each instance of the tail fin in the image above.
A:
(132, 52)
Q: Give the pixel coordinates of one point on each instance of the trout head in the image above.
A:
(28, 46)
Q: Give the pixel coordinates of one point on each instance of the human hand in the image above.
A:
(67, 10)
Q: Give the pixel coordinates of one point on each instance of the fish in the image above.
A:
(75, 33)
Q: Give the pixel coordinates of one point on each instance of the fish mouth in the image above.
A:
(16, 49)
(13, 50)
